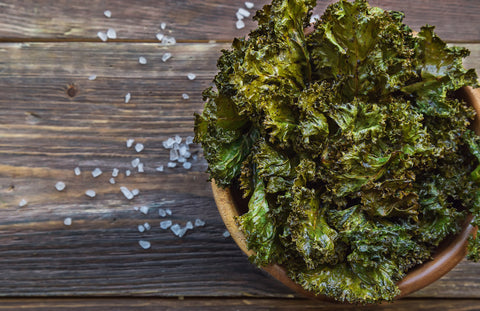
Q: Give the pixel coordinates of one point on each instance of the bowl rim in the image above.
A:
(444, 260)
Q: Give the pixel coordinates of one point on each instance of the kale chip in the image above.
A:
(356, 156)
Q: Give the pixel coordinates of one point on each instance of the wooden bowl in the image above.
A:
(230, 205)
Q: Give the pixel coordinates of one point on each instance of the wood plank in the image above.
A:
(197, 20)
(45, 133)
(119, 304)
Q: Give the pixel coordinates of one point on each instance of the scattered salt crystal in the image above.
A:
(185, 96)
(189, 140)
(187, 165)
(169, 40)
(92, 77)
(147, 226)
(181, 160)
(112, 181)
(314, 18)
(128, 173)
(60, 186)
(166, 56)
(135, 162)
(191, 76)
(160, 168)
(111, 33)
(173, 155)
(135, 192)
(127, 98)
(115, 172)
(90, 193)
(199, 223)
(239, 16)
(142, 60)
(144, 244)
(107, 13)
(67, 221)
(159, 36)
(183, 150)
(226, 234)
(139, 147)
(102, 36)
(243, 12)
(178, 231)
(178, 139)
(163, 26)
(171, 164)
(77, 171)
(144, 209)
(96, 172)
(136, 208)
(187, 154)
(22, 203)
(141, 228)
(189, 225)
(165, 224)
(249, 5)
(141, 168)
(169, 211)
(127, 193)
(162, 212)
(240, 24)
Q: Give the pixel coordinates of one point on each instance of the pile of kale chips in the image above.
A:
(355, 155)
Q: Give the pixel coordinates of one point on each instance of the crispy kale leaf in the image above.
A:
(355, 156)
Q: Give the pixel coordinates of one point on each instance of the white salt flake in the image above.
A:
(165, 224)
(163, 26)
(90, 193)
(136, 208)
(139, 147)
(169, 40)
(167, 144)
(67, 221)
(189, 140)
(243, 12)
(191, 76)
(226, 234)
(128, 96)
(187, 165)
(240, 24)
(92, 77)
(77, 171)
(249, 5)
(169, 211)
(183, 150)
(115, 172)
(160, 168)
(135, 162)
(141, 168)
(111, 33)
(147, 226)
(189, 225)
(96, 172)
(239, 16)
(162, 212)
(112, 181)
(22, 203)
(173, 155)
(185, 96)
(60, 186)
(128, 173)
(187, 154)
(127, 193)
(135, 192)
(178, 231)
(178, 139)
(102, 36)
(142, 60)
(144, 244)
(166, 57)
(314, 18)
(171, 164)
(107, 13)
(141, 228)
(181, 160)
(130, 142)
(144, 209)
(199, 222)
(159, 36)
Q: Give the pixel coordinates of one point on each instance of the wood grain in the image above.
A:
(45, 133)
(190, 20)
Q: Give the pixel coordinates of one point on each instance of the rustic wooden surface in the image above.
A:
(53, 119)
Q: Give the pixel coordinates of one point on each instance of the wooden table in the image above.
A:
(53, 119)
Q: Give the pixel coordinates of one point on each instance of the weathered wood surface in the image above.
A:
(143, 304)
(189, 20)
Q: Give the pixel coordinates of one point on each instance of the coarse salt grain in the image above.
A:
(107, 13)
(171, 164)
(135, 162)
(173, 155)
(141, 168)
(199, 223)
(128, 96)
(144, 244)
(92, 77)
(112, 181)
(189, 140)
(135, 192)
(162, 212)
(60, 186)
(159, 36)
(166, 57)
(181, 160)
(22, 203)
(163, 26)
(240, 24)
(90, 193)
(102, 36)
(115, 172)
(169, 211)
(189, 225)
(111, 33)
(187, 165)
(185, 96)
(160, 168)
(191, 76)
(142, 60)
(243, 12)
(239, 16)
(141, 228)
(139, 147)
(147, 226)
(127, 193)
(128, 173)
(169, 40)
(96, 172)
(249, 5)
(167, 144)
(144, 209)
(226, 234)
(165, 224)
(77, 171)
(67, 221)
(177, 230)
